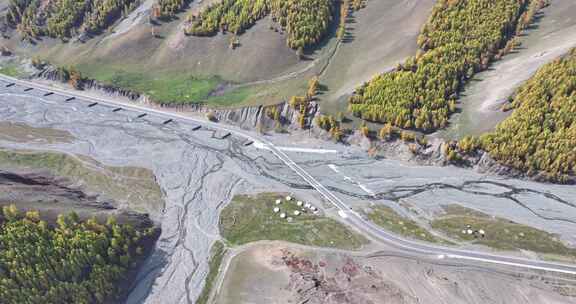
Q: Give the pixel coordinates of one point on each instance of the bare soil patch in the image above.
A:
(124, 187)
(17, 132)
(311, 276)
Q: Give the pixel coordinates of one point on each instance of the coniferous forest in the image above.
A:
(65, 18)
(305, 21)
(169, 8)
(460, 38)
(540, 135)
(72, 261)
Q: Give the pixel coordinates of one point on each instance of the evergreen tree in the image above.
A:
(73, 262)
(460, 38)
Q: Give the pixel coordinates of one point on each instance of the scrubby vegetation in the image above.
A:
(302, 103)
(305, 21)
(460, 38)
(71, 262)
(540, 135)
(69, 75)
(64, 18)
(330, 124)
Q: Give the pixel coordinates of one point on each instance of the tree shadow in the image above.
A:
(150, 269)
(348, 36)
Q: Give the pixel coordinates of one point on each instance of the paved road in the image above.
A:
(347, 214)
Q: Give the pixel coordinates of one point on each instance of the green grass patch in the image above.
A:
(217, 254)
(233, 97)
(11, 69)
(501, 234)
(171, 87)
(388, 219)
(174, 88)
(251, 218)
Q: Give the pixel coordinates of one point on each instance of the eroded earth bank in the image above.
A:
(199, 171)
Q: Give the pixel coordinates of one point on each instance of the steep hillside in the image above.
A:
(306, 22)
(552, 34)
(378, 38)
(460, 39)
(540, 135)
(262, 68)
(64, 18)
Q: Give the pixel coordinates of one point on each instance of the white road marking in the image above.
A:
(462, 257)
(306, 150)
(366, 189)
(260, 145)
(336, 201)
(347, 178)
(334, 168)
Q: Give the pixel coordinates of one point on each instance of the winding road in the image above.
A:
(346, 213)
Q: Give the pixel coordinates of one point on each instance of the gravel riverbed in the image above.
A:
(199, 173)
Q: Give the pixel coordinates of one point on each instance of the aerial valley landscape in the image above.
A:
(296, 151)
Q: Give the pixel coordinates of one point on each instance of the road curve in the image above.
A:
(348, 215)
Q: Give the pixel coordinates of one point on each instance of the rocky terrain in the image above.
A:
(283, 273)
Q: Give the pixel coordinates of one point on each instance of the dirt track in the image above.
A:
(280, 273)
(552, 35)
(380, 35)
(200, 173)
